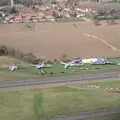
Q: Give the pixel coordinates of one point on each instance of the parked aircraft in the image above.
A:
(92, 61)
(41, 66)
(13, 68)
(72, 63)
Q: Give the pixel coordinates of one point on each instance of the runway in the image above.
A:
(26, 83)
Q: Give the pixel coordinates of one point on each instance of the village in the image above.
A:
(55, 11)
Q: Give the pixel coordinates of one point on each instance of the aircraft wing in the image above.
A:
(47, 66)
(33, 65)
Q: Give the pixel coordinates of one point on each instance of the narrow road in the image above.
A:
(58, 80)
(87, 115)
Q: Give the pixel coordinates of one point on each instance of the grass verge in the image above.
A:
(45, 104)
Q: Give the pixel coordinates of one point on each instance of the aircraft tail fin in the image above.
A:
(63, 63)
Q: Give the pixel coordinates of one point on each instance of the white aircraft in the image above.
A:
(79, 62)
(94, 61)
(41, 66)
(13, 68)
(72, 63)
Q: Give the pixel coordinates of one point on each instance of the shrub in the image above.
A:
(56, 60)
(36, 61)
(24, 2)
(3, 50)
(29, 57)
(54, 2)
(13, 10)
(11, 52)
(19, 54)
(49, 62)
(65, 58)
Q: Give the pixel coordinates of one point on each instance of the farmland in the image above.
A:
(50, 40)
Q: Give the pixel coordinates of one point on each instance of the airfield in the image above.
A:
(51, 40)
(66, 94)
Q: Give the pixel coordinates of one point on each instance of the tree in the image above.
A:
(64, 57)
(3, 50)
(13, 10)
(24, 2)
(97, 1)
(31, 58)
(19, 54)
(11, 52)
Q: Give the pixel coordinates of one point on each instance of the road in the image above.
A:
(89, 115)
(57, 80)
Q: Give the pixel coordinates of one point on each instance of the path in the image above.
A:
(88, 115)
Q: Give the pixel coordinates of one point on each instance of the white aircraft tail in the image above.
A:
(63, 63)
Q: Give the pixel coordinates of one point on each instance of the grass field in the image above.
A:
(45, 104)
(57, 70)
(107, 83)
(25, 71)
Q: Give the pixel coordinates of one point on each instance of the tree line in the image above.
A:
(16, 53)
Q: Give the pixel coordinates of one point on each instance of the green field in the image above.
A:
(114, 59)
(25, 71)
(45, 104)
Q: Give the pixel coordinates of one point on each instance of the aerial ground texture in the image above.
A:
(45, 104)
(51, 40)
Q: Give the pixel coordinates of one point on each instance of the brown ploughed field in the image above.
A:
(51, 40)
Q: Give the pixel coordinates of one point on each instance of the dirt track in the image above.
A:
(52, 40)
(89, 115)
